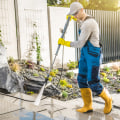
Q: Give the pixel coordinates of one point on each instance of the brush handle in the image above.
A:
(63, 33)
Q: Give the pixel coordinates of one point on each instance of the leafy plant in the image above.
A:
(118, 81)
(1, 38)
(111, 74)
(11, 60)
(118, 90)
(52, 74)
(72, 64)
(107, 69)
(38, 44)
(103, 74)
(63, 82)
(50, 78)
(42, 69)
(118, 72)
(30, 92)
(15, 67)
(64, 94)
(106, 80)
(55, 71)
(70, 75)
(69, 85)
(30, 64)
(36, 74)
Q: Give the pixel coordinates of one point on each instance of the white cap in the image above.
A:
(74, 7)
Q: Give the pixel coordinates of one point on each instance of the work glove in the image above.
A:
(72, 17)
(61, 41)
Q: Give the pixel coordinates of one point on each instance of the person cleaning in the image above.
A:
(89, 63)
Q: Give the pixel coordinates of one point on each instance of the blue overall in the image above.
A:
(89, 73)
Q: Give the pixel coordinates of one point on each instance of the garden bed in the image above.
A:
(64, 82)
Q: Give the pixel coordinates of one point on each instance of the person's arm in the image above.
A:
(86, 30)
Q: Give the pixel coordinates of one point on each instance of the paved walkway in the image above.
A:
(51, 108)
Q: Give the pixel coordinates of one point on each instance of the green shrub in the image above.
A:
(11, 60)
(30, 64)
(42, 69)
(107, 69)
(118, 72)
(36, 74)
(72, 64)
(63, 82)
(70, 75)
(50, 78)
(1, 42)
(106, 80)
(118, 90)
(64, 94)
(53, 72)
(15, 67)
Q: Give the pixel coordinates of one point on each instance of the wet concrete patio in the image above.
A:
(49, 108)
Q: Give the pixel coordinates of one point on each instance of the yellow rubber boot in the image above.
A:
(87, 99)
(108, 101)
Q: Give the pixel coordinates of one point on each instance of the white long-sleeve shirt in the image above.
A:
(89, 31)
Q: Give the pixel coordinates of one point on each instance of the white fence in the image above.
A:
(8, 26)
(30, 13)
(57, 21)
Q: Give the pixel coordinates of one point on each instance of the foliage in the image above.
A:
(118, 72)
(36, 74)
(30, 64)
(63, 82)
(50, 78)
(84, 3)
(15, 67)
(51, 2)
(103, 74)
(53, 72)
(107, 69)
(30, 92)
(107, 5)
(70, 75)
(111, 74)
(118, 81)
(118, 90)
(106, 80)
(38, 44)
(72, 64)
(1, 38)
(103, 4)
(42, 69)
(11, 60)
(69, 85)
(64, 94)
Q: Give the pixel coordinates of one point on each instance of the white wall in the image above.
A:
(8, 27)
(30, 12)
(58, 20)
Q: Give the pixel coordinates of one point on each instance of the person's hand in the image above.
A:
(71, 17)
(61, 41)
